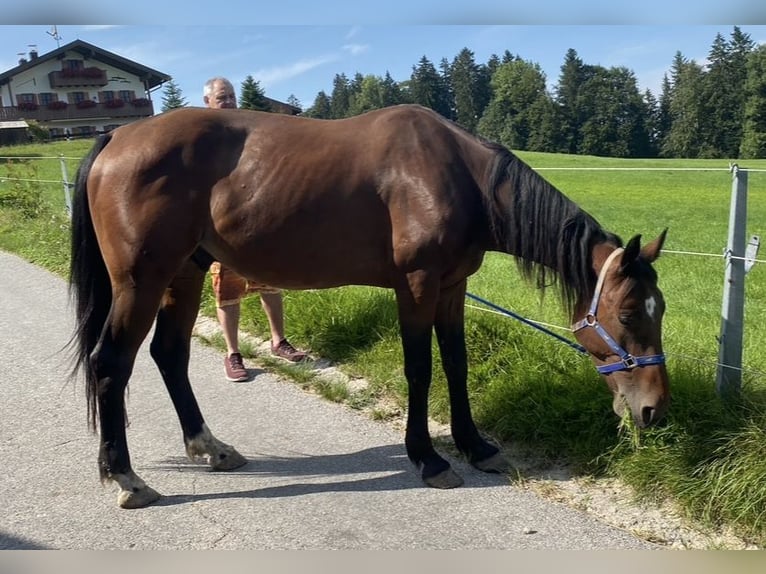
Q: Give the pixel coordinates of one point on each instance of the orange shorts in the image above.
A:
(229, 288)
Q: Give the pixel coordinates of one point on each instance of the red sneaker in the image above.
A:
(235, 368)
(286, 351)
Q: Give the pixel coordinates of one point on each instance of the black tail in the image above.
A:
(89, 285)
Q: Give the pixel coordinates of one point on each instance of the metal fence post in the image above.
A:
(729, 375)
(67, 185)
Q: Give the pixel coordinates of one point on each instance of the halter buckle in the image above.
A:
(629, 362)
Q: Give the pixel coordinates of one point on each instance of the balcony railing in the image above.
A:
(76, 78)
(72, 112)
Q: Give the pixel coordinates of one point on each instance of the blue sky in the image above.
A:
(302, 57)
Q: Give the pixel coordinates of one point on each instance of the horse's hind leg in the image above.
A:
(170, 350)
(111, 363)
(450, 334)
(416, 325)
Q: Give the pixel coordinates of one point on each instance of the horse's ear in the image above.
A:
(651, 251)
(630, 255)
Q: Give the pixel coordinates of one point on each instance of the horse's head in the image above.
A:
(622, 328)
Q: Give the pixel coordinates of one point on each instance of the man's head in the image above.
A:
(219, 93)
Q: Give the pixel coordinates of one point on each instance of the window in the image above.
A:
(47, 97)
(73, 65)
(127, 95)
(107, 96)
(77, 97)
(26, 99)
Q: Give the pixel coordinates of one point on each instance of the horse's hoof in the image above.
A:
(445, 479)
(228, 460)
(495, 463)
(137, 499)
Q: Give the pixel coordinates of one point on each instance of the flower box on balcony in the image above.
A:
(57, 105)
(141, 102)
(86, 104)
(27, 106)
(115, 103)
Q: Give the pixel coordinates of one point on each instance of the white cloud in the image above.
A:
(355, 49)
(275, 75)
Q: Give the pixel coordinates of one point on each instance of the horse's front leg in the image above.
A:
(450, 334)
(170, 349)
(416, 325)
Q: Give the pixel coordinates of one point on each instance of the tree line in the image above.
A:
(715, 110)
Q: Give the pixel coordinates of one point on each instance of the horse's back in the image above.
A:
(362, 199)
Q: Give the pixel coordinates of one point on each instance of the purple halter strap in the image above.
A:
(627, 361)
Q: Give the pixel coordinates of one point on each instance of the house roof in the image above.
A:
(153, 78)
(282, 107)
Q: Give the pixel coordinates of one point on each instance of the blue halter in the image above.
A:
(627, 361)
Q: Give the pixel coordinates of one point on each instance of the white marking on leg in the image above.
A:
(217, 454)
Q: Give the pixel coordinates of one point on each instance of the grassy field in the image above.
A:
(528, 388)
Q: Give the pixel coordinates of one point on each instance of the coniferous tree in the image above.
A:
(426, 87)
(252, 96)
(449, 92)
(391, 93)
(294, 101)
(172, 97)
(340, 99)
(653, 123)
(567, 98)
(754, 128)
(663, 114)
(687, 110)
(321, 108)
(470, 89)
(718, 115)
(740, 48)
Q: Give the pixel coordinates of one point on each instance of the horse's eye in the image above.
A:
(627, 318)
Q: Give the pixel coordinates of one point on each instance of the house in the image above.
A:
(78, 89)
(13, 132)
(282, 107)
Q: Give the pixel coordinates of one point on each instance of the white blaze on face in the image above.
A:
(651, 306)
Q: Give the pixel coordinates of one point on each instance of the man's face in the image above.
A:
(222, 96)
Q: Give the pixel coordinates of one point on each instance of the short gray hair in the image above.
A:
(208, 88)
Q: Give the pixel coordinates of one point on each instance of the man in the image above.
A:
(229, 288)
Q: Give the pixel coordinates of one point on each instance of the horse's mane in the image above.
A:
(550, 236)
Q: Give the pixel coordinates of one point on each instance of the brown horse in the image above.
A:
(398, 198)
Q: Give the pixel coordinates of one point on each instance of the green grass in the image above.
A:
(526, 387)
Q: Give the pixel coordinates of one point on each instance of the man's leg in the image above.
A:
(272, 306)
(280, 346)
(228, 317)
(229, 289)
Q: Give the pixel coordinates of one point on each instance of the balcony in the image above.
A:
(82, 77)
(140, 109)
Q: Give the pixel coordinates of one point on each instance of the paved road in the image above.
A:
(320, 476)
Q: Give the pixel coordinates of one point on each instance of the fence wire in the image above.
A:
(498, 310)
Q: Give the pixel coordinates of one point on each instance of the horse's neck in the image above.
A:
(537, 217)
